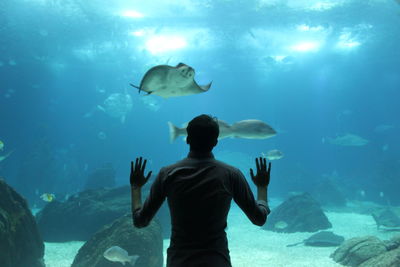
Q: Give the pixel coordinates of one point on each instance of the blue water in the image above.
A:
(310, 69)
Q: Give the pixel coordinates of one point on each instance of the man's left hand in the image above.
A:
(137, 177)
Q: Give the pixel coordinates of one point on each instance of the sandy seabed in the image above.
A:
(250, 246)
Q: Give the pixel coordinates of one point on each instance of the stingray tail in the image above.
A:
(295, 244)
(174, 132)
(135, 86)
(376, 221)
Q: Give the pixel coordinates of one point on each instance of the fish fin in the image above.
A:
(133, 259)
(173, 132)
(205, 87)
(135, 86)
(295, 244)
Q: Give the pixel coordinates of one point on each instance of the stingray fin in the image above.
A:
(180, 64)
(135, 86)
(205, 87)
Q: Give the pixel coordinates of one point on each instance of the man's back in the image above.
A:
(199, 190)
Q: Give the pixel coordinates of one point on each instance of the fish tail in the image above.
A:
(173, 132)
(133, 259)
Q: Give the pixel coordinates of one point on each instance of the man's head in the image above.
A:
(202, 133)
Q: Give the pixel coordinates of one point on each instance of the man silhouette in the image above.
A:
(199, 190)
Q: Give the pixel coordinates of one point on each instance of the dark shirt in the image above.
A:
(199, 190)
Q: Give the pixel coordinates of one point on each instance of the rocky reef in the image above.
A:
(145, 242)
(369, 251)
(20, 241)
(79, 217)
(82, 214)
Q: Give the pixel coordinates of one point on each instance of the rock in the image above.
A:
(300, 213)
(146, 242)
(20, 241)
(396, 239)
(102, 177)
(328, 194)
(82, 214)
(357, 250)
(386, 259)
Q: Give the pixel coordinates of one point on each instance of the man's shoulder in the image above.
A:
(227, 166)
(172, 166)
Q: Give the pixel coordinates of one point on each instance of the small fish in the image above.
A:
(383, 128)
(347, 140)
(47, 197)
(1, 145)
(3, 157)
(102, 135)
(273, 154)
(118, 254)
(281, 225)
(362, 193)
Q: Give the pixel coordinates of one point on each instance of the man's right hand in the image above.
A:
(261, 179)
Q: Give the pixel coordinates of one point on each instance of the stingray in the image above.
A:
(387, 220)
(321, 239)
(168, 81)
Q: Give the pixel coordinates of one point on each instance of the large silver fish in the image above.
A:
(168, 81)
(250, 129)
